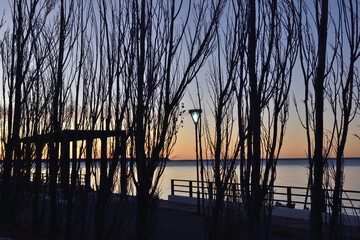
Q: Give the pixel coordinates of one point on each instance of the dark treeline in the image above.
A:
(72, 69)
(259, 46)
(103, 80)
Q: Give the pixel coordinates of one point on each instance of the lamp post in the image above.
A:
(195, 115)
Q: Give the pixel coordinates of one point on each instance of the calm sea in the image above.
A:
(289, 172)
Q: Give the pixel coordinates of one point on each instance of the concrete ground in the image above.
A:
(178, 221)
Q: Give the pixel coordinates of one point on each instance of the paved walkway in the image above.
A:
(284, 221)
(184, 223)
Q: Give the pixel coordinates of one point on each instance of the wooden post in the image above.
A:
(89, 143)
(65, 166)
(172, 187)
(28, 165)
(234, 192)
(123, 164)
(103, 163)
(210, 190)
(190, 189)
(289, 197)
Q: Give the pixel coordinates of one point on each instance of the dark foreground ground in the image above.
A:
(174, 222)
(188, 225)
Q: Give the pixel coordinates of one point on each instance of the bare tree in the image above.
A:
(115, 54)
(164, 70)
(222, 144)
(63, 51)
(270, 61)
(319, 78)
(60, 38)
(39, 97)
(77, 109)
(314, 65)
(17, 49)
(343, 94)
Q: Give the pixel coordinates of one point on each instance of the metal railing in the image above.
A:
(288, 196)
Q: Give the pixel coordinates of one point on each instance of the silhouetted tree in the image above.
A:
(62, 36)
(313, 57)
(17, 52)
(115, 54)
(263, 104)
(223, 145)
(38, 122)
(343, 94)
(77, 109)
(319, 78)
(169, 54)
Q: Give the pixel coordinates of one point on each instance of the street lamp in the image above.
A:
(195, 115)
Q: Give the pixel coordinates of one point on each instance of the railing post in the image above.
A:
(234, 192)
(289, 197)
(190, 189)
(210, 190)
(172, 187)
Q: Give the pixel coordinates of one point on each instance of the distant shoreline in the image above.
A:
(185, 160)
(280, 159)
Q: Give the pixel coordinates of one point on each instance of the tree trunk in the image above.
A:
(142, 212)
(123, 174)
(6, 203)
(56, 125)
(89, 143)
(254, 131)
(317, 195)
(141, 228)
(335, 220)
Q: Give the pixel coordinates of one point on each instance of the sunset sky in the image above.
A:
(294, 145)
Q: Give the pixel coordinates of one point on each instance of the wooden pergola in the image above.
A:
(68, 136)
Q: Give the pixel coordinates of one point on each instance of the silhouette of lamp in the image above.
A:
(196, 115)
